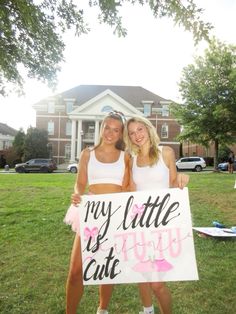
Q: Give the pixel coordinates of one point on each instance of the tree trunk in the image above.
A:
(180, 149)
(216, 148)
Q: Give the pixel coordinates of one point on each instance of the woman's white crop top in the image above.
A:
(151, 177)
(110, 173)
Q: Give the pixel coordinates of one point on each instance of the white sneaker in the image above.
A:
(99, 311)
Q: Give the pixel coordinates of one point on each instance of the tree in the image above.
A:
(36, 141)
(11, 156)
(208, 90)
(224, 153)
(31, 32)
(2, 160)
(18, 143)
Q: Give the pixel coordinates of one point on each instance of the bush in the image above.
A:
(12, 157)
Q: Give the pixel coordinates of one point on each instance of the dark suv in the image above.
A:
(36, 165)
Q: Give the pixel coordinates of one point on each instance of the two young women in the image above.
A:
(108, 169)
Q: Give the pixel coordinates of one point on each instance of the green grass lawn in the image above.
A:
(35, 248)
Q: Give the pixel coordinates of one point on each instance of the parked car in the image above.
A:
(36, 165)
(223, 166)
(194, 163)
(73, 168)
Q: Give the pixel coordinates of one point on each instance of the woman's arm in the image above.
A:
(126, 178)
(176, 180)
(128, 184)
(132, 185)
(169, 159)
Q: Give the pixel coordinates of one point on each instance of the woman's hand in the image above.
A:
(75, 199)
(182, 180)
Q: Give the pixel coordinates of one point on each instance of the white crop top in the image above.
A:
(100, 172)
(151, 177)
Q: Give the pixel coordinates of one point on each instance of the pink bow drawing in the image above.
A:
(90, 233)
(155, 265)
(137, 210)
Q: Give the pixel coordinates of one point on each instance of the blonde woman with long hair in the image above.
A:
(102, 169)
(152, 167)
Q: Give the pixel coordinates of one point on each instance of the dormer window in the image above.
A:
(147, 108)
(165, 111)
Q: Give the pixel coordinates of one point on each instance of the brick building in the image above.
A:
(73, 117)
(193, 149)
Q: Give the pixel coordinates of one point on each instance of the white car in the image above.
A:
(73, 168)
(191, 163)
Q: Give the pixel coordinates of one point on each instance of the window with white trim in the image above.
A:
(50, 128)
(68, 127)
(165, 111)
(107, 108)
(147, 110)
(69, 106)
(67, 151)
(5, 144)
(164, 130)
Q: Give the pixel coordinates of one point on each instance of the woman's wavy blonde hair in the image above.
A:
(134, 149)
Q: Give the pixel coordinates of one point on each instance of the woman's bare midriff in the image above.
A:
(104, 188)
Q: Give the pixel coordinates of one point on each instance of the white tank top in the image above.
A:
(99, 172)
(151, 177)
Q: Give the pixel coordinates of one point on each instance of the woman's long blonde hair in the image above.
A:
(153, 136)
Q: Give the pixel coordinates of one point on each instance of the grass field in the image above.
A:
(35, 249)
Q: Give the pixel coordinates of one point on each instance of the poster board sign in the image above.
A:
(137, 237)
(216, 232)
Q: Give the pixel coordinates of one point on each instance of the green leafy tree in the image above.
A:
(36, 141)
(31, 32)
(18, 143)
(208, 90)
(223, 153)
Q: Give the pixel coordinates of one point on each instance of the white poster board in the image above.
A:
(137, 237)
(216, 232)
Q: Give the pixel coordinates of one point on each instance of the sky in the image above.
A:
(152, 56)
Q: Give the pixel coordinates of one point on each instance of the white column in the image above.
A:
(96, 134)
(73, 139)
(79, 139)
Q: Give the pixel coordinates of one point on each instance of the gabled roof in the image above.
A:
(132, 94)
(126, 107)
(7, 130)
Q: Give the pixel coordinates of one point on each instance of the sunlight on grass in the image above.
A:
(35, 249)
